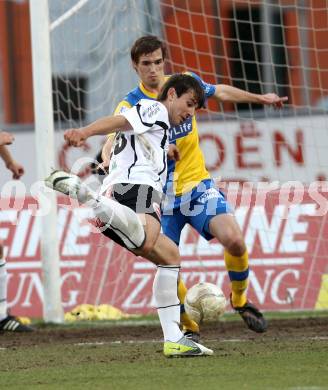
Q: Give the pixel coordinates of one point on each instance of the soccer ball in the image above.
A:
(205, 302)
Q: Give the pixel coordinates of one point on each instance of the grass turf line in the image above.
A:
(266, 364)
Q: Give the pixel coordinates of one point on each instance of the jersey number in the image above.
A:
(120, 144)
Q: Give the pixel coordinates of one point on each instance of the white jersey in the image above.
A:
(139, 156)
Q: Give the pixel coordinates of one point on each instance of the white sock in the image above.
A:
(124, 221)
(165, 290)
(3, 290)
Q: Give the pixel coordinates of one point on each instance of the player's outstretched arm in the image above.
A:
(103, 126)
(16, 169)
(13, 166)
(6, 138)
(227, 93)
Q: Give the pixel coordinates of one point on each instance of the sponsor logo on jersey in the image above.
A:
(180, 131)
(151, 110)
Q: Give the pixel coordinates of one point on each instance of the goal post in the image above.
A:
(45, 156)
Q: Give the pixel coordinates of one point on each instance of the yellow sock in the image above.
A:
(237, 267)
(182, 290)
(186, 322)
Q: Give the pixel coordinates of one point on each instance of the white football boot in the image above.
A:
(69, 184)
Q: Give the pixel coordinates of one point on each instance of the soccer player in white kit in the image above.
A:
(128, 211)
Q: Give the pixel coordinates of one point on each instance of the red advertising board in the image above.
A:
(287, 244)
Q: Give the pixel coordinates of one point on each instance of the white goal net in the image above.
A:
(262, 46)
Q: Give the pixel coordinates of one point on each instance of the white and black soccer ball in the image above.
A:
(205, 302)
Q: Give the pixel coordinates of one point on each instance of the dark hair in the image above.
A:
(182, 83)
(145, 45)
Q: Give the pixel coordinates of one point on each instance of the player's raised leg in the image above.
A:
(225, 228)
(110, 213)
(145, 238)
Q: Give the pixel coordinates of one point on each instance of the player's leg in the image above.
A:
(165, 254)
(7, 322)
(120, 218)
(167, 301)
(127, 199)
(225, 228)
(165, 281)
(117, 219)
(168, 308)
(215, 220)
(172, 225)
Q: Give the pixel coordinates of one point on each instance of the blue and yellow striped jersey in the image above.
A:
(185, 174)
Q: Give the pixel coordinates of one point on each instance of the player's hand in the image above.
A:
(173, 153)
(16, 169)
(75, 137)
(6, 138)
(271, 99)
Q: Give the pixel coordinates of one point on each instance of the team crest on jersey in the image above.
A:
(180, 131)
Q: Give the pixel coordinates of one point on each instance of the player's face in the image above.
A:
(181, 108)
(150, 69)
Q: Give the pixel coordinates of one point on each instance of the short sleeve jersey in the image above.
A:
(139, 156)
(185, 174)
